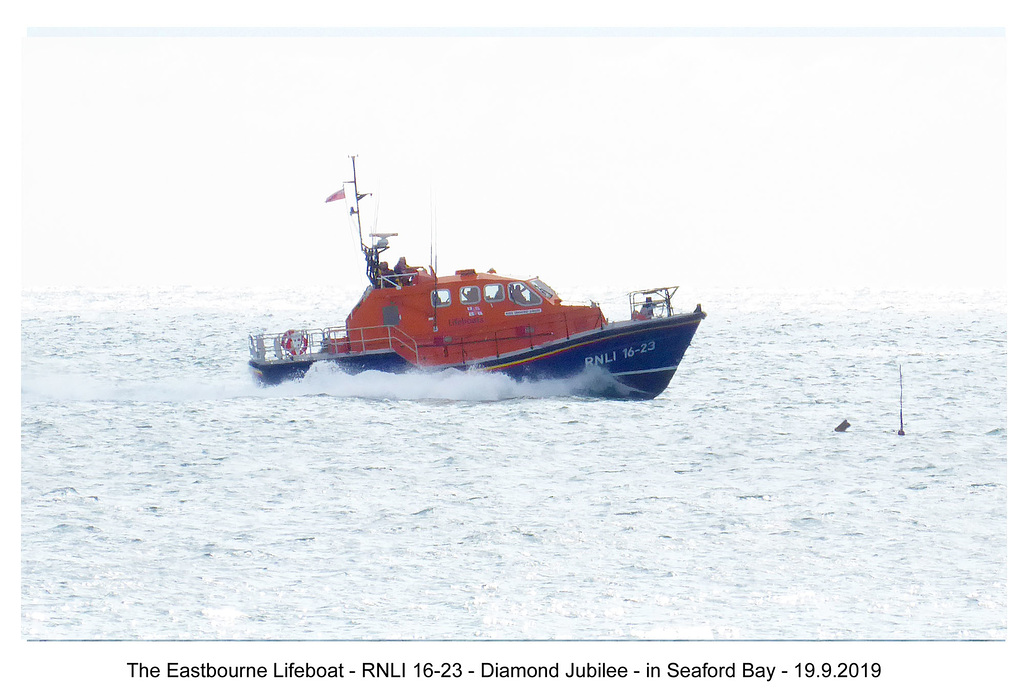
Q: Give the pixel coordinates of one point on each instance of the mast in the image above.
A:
(355, 209)
(370, 252)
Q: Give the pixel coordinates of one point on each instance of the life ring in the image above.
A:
(294, 342)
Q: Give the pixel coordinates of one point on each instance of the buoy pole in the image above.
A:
(900, 432)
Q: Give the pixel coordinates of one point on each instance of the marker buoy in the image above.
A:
(900, 432)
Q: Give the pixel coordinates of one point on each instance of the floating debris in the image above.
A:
(843, 426)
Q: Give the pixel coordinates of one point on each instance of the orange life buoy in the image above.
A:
(294, 342)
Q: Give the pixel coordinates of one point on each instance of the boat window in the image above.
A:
(494, 292)
(442, 297)
(543, 288)
(522, 294)
(469, 295)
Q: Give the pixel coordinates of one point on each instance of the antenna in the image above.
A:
(432, 226)
(355, 186)
(433, 248)
(900, 432)
(433, 231)
(371, 252)
(376, 207)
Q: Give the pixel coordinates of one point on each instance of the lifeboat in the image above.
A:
(411, 318)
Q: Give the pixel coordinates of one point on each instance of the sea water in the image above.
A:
(164, 495)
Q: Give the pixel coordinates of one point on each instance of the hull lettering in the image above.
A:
(601, 359)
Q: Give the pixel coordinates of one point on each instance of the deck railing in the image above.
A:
(316, 343)
(320, 343)
(499, 342)
(397, 280)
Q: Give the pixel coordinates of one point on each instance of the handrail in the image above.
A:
(403, 279)
(332, 340)
(535, 333)
(653, 302)
(319, 343)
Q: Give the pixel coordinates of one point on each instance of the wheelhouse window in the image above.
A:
(442, 297)
(469, 295)
(543, 288)
(522, 294)
(494, 292)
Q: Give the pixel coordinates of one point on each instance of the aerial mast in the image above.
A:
(355, 209)
(370, 252)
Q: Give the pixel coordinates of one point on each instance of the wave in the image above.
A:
(72, 387)
(321, 380)
(450, 384)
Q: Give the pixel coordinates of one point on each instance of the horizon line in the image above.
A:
(516, 32)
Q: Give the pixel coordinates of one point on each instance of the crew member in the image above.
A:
(402, 269)
(647, 309)
(385, 273)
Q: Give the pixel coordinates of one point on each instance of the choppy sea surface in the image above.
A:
(164, 495)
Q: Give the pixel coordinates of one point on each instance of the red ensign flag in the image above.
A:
(337, 195)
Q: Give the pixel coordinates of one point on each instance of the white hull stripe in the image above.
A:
(638, 372)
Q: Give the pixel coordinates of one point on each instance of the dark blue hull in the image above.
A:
(624, 360)
(276, 373)
(639, 357)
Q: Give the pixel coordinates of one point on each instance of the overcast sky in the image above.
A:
(697, 161)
